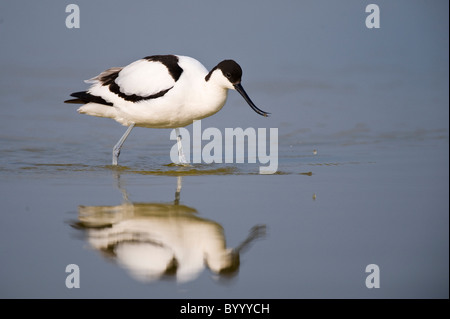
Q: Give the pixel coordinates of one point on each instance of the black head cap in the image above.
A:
(233, 72)
(230, 69)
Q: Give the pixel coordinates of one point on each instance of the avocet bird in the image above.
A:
(160, 91)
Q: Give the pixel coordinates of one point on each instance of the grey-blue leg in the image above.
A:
(181, 157)
(118, 146)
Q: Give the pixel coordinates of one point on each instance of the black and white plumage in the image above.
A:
(160, 91)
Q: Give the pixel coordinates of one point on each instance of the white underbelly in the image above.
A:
(164, 115)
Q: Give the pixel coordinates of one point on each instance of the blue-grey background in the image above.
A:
(372, 102)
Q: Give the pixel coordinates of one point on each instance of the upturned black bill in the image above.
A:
(241, 90)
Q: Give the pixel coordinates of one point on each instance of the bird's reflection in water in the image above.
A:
(161, 240)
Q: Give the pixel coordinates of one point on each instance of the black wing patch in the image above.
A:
(171, 63)
(109, 77)
(113, 87)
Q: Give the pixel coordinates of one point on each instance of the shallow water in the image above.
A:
(362, 179)
(323, 218)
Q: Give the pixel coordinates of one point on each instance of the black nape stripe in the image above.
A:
(85, 97)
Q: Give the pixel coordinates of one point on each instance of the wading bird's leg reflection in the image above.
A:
(121, 188)
(177, 192)
(118, 146)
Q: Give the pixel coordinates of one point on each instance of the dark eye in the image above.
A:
(228, 75)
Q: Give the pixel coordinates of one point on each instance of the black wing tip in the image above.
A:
(81, 94)
(84, 97)
(74, 101)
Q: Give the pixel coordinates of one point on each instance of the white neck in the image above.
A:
(214, 94)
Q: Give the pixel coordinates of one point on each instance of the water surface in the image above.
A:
(362, 172)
